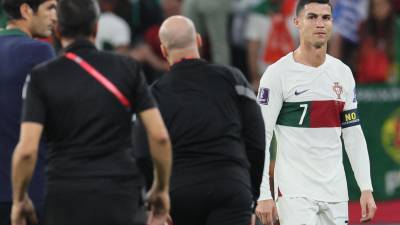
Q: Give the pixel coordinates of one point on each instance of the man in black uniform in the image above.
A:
(216, 130)
(91, 176)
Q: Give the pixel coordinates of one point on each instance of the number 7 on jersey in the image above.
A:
(304, 106)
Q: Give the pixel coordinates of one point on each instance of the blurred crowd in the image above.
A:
(252, 34)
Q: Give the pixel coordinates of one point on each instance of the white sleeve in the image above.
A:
(270, 98)
(354, 140)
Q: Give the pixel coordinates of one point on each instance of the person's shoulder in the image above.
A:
(342, 71)
(333, 61)
(36, 46)
(110, 56)
(337, 65)
(221, 67)
(45, 66)
(228, 71)
(281, 65)
(156, 84)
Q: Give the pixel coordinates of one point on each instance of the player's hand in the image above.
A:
(266, 212)
(368, 207)
(159, 206)
(23, 212)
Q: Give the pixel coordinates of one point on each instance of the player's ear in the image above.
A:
(199, 40)
(26, 11)
(164, 51)
(296, 21)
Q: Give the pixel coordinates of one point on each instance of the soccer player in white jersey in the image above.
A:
(308, 99)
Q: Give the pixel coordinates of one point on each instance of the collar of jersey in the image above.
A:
(14, 31)
(188, 62)
(79, 44)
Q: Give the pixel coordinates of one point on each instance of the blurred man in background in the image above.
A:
(84, 101)
(18, 54)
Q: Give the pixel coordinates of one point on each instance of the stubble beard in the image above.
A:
(319, 44)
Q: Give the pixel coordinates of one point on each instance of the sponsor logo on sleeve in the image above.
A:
(263, 96)
(350, 118)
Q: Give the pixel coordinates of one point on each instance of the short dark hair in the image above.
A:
(77, 18)
(302, 3)
(11, 7)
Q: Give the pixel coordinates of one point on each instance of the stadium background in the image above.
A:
(366, 37)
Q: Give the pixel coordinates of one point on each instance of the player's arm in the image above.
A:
(357, 152)
(160, 150)
(23, 165)
(160, 147)
(24, 158)
(270, 98)
(26, 151)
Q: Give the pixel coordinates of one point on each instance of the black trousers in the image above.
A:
(105, 202)
(5, 212)
(223, 202)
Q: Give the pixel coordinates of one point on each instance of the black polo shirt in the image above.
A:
(214, 122)
(87, 128)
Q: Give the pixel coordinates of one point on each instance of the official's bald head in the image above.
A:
(178, 32)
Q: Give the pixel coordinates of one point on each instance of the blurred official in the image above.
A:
(19, 52)
(216, 130)
(83, 102)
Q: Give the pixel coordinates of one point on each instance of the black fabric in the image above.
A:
(5, 213)
(87, 128)
(94, 202)
(223, 202)
(214, 123)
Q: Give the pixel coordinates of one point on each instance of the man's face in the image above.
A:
(44, 19)
(315, 24)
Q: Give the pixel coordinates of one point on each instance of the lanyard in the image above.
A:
(100, 78)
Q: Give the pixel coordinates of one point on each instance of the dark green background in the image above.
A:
(376, 104)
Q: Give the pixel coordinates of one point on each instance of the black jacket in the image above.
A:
(214, 123)
(87, 128)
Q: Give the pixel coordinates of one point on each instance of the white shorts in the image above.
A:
(304, 211)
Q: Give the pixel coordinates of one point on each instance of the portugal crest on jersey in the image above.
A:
(338, 89)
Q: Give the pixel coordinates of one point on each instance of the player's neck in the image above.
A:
(65, 42)
(310, 56)
(21, 25)
(176, 56)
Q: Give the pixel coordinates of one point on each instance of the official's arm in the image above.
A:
(253, 131)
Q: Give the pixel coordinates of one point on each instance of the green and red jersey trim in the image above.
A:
(311, 114)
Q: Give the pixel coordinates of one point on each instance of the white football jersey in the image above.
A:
(308, 107)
